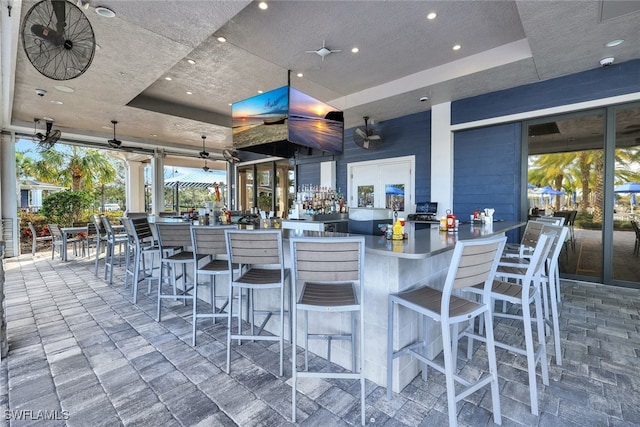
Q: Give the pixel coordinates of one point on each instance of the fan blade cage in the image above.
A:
(58, 50)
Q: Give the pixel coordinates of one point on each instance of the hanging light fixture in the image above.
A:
(203, 153)
(205, 167)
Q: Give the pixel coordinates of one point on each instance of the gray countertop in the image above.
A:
(420, 243)
(431, 241)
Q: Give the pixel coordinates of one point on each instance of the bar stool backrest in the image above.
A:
(532, 233)
(249, 247)
(174, 235)
(328, 259)
(208, 240)
(553, 220)
(142, 229)
(474, 262)
(106, 222)
(97, 220)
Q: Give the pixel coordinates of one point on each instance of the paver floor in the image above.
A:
(81, 354)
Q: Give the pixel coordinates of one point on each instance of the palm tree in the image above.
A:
(79, 168)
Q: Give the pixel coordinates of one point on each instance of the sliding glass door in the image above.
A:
(583, 166)
(626, 196)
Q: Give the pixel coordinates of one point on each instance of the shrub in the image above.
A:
(66, 207)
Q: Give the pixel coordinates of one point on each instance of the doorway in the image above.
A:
(575, 162)
(385, 183)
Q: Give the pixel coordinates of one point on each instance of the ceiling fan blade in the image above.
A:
(59, 8)
(365, 143)
(374, 136)
(361, 133)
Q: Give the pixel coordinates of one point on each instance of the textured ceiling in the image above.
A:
(403, 56)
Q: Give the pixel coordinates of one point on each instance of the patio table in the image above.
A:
(66, 231)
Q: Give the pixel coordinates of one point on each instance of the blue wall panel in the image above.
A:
(588, 85)
(404, 136)
(487, 171)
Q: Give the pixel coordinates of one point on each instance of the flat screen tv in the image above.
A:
(314, 124)
(279, 122)
(261, 119)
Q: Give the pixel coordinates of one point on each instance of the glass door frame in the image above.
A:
(609, 147)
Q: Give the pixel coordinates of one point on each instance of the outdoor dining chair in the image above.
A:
(36, 238)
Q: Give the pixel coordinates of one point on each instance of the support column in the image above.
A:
(135, 186)
(442, 157)
(157, 182)
(10, 225)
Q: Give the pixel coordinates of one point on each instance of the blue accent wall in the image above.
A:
(602, 82)
(404, 136)
(487, 171)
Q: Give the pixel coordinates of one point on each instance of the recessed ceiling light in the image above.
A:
(57, 102)
(105, 12)
(168, 78)
(260, 91)
(191, 61)
(456, 47)
(153, 134)
(189, 92)
(107, 127)
(263, 5)
(355, 50)
(221, 39)
(300, 75)
(230, 104)
(65, 89)
(613, 43)
(176, 125)
(49, 119)
(98, 47)
(432, 15)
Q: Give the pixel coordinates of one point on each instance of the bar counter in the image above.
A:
(392, 266)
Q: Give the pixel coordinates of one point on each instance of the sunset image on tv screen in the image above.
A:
(314, 124)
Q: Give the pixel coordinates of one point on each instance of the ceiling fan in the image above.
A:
(58, 39)
(114, 143)
(49, 139)
(203, 153)
(231, 156)
(324, 50)
(366, 137)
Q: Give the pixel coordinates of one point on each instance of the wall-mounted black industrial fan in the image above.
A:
(58, 39)
(367, 137)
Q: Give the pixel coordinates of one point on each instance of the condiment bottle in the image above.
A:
(397, 231)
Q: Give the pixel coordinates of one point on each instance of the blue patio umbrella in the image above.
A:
(627, 187)
(548, 191)
(393, 190)
(530, 185)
